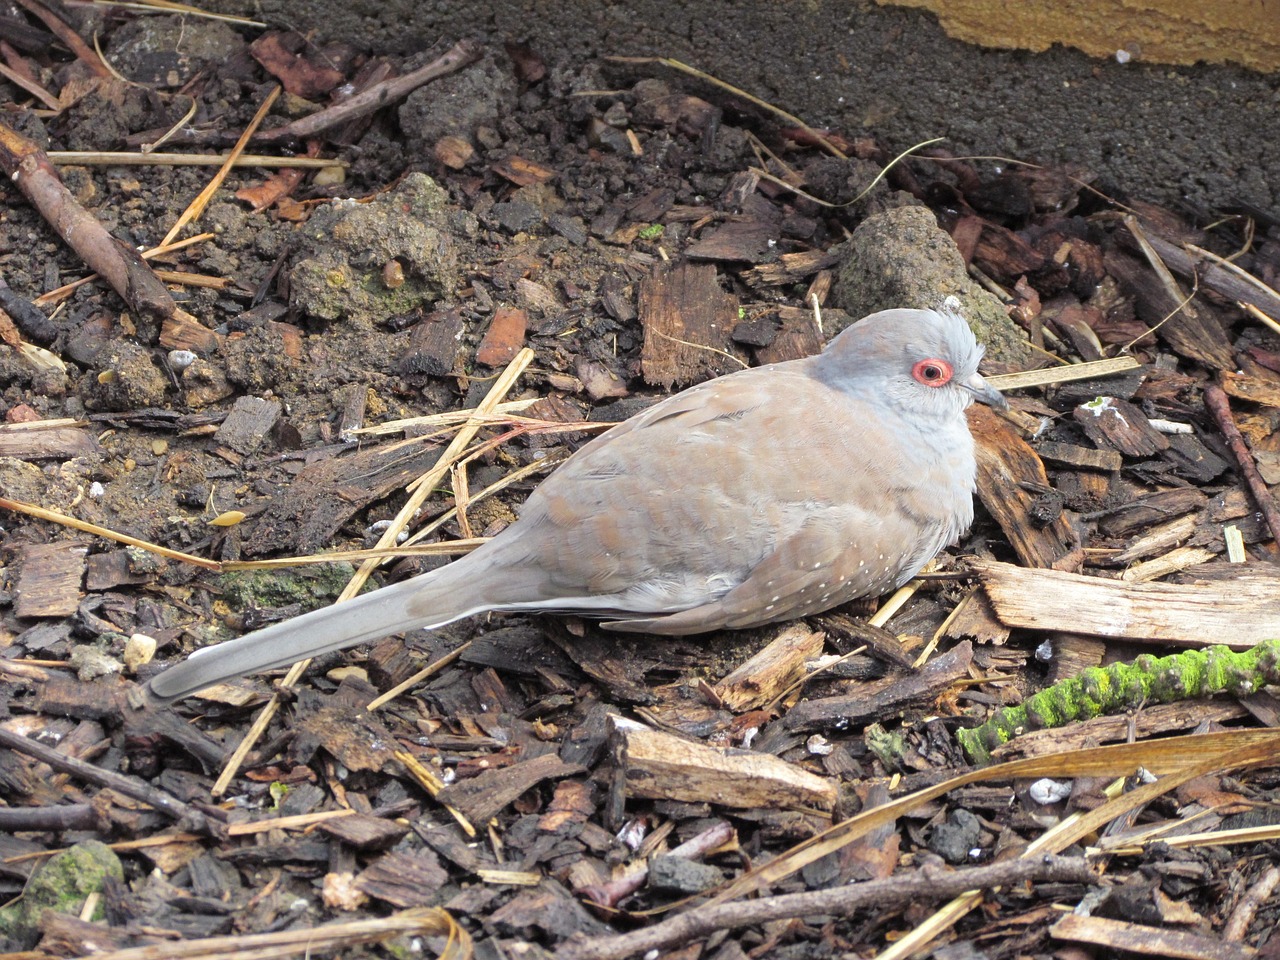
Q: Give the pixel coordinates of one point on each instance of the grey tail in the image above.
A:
(431, 600)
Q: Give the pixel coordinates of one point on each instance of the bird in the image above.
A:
(769, 494)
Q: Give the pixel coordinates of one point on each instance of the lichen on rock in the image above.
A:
(346, 246)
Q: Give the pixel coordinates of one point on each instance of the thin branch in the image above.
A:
(1215, 398)
(164, 803)
(461, 54)
(926, 883)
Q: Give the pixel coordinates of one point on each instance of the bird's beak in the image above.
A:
(983, 392)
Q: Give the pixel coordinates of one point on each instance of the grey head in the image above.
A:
(922, 363)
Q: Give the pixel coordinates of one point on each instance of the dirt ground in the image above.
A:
(542, 197)
(1199, 135)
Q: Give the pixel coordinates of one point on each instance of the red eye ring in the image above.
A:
(932, 372)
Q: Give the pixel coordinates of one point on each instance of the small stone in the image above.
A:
(139, 649)
(330, 176)
(956, 838)
(1047, 791)
(682, 876)
(90, 663)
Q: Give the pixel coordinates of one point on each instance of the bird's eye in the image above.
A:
(932, 372)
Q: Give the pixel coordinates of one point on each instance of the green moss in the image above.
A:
(61, 885)
(889, 746)
(312, 586)
(1126, 686)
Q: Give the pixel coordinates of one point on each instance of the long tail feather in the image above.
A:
(431, 600)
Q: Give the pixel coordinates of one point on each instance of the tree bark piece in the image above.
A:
(1008, 469)
(687, 321)
(248, 423)
(47, 440)
(481, 797)
(1122, 937)
(50, 579)
(881, 697)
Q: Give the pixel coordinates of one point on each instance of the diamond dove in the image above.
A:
(769, 494)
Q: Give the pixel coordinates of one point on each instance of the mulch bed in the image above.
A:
(814, 790)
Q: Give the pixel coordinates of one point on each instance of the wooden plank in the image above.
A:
(1239, 612)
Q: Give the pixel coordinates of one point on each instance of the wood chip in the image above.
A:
(1120, 936)
(1238, 612)
(327, 493)
(1182, 324)
(1070, 455)
(663, 766)
(522, 172)
(750, 241)
(182, 331)
(880, 698)
(364, 832)
(799, 337)
(57, 440)
(1118, 424)
(1254, 388)
(433, 343)
(481, 797)
(248, 423)
(404, 879)
(772, 670)
(504, 338)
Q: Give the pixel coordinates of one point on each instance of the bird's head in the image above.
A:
(922, 362)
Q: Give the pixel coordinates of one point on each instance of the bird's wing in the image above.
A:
(839, 553)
